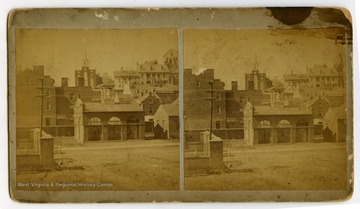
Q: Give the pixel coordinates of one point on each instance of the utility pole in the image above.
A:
(42, 104)
(211, 82)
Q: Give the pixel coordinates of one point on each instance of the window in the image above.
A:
(151, 100)
(198, 84)
(218, 109)
(114, 121)
(95, 121)
(47, 121)
(48, 106)
(151, 109)
(219, 96)
(47, 92)
(217, 125)
(284, 124)
(264, 124)
(28, 81)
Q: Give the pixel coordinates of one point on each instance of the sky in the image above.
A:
(63, 51)
(232, 53)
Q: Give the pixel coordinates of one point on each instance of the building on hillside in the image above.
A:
(104, 122)
(155, 73)
(166, 121)
(108, 94)
(296, 83)
(125, 77)
(326, 78)
(172, 62)
(273, 125)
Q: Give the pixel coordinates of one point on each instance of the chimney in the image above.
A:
(234, 85)
(64, 82)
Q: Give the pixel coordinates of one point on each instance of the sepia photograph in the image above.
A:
(97, 109)
(266, 109)
(179, 104)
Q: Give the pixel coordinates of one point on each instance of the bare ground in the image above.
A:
(301, 166)
(137, 166)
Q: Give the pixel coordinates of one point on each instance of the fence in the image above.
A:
(59, 131)
(193, 135)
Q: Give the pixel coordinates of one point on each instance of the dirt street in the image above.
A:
(301, 166)
(131, 165)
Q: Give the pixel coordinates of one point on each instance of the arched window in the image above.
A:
(284, 124)
(114, 121)
(95, 121)
(264, 124)
(302, 123)
(132, 120)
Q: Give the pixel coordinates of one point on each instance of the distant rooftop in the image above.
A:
(268, 110)
(98, 107)
(126, 73)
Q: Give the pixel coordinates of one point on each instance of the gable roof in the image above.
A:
(171, 109)
(145, 96)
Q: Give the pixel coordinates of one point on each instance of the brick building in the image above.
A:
(197, 105)
(150, 103)
(86, 77)
(66, 97)
(125, 77)
(103, 122)
(257, 81)
(236, 100)
(273, 125)
(296, 83)
(155, 73)
(28, 101)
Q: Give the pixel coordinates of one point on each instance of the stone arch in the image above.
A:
(284, 124)
(114, 128)
(114, 121)
(264, 124)
(95, 121)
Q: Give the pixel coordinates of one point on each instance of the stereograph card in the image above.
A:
(189, 105)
